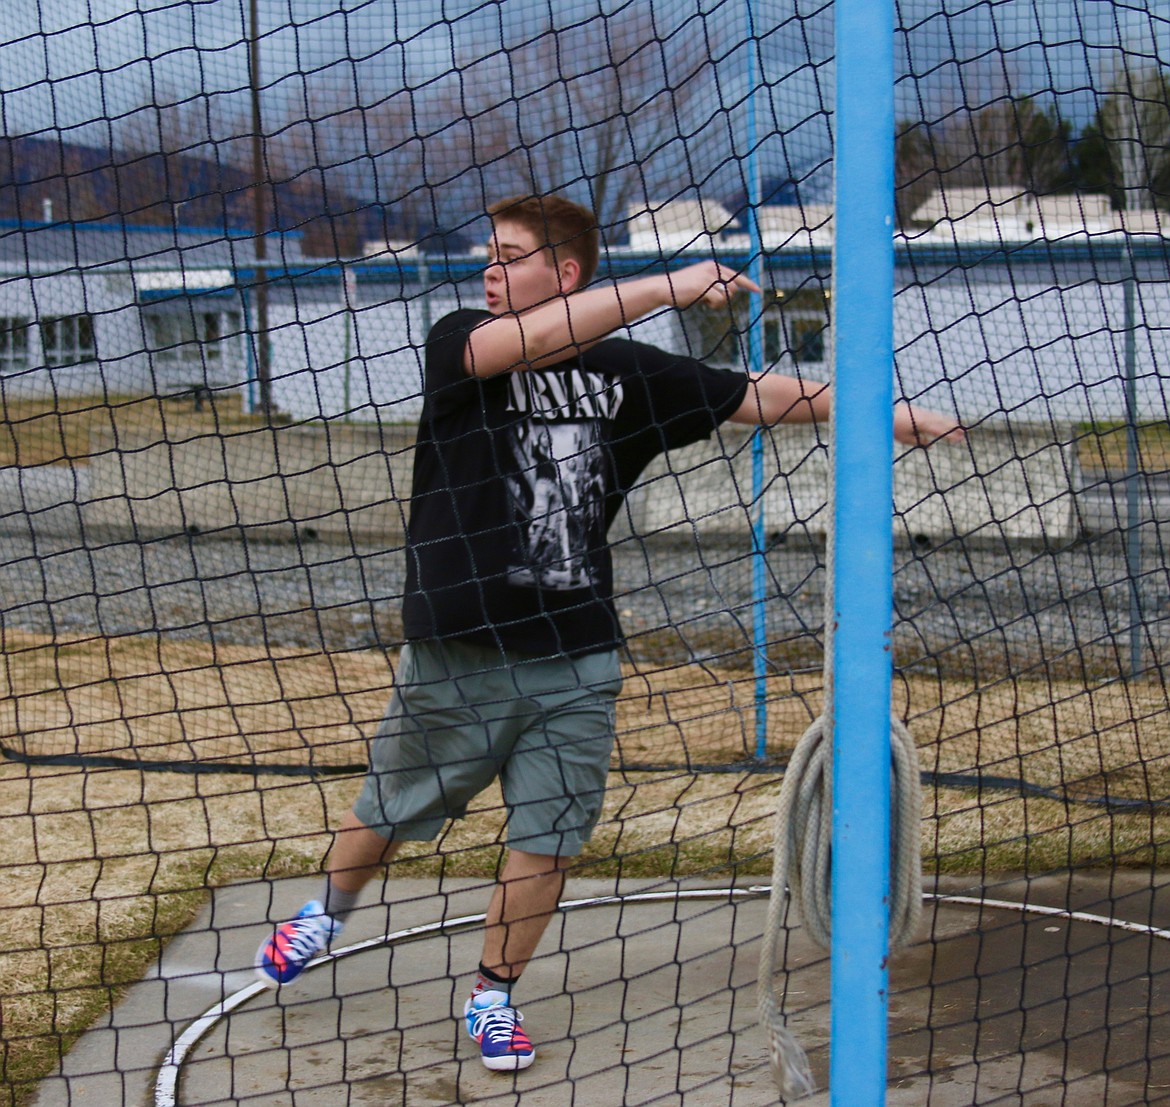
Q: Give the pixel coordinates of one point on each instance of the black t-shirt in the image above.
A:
(518, 476)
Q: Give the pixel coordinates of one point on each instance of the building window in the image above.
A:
(68, 339)
(807, 340)
(187, 338)
(711, 335)
(13, 343)
(795, 330)
(773, 338)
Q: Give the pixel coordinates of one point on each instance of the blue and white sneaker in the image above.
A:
(283, 956)
(494, 1023)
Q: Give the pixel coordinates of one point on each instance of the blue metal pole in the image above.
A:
(863, 276)
(755, 336)
(250, 350)
(1133, 518)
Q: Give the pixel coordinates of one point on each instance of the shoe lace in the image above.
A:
(304, 936)
(496, 1023)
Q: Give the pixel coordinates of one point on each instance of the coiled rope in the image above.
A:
(800, 873)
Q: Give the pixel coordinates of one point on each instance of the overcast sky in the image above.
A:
(65, 64)
(61, 64)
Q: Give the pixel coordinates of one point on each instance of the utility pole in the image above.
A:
(259, 219)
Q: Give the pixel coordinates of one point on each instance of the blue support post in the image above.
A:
(863, 274)
(1133, 508)
(249, 351)
(755, 336)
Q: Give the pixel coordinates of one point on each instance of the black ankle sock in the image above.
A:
(489, 981)
(495, 977)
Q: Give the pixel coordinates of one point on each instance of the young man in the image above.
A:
(534, 427)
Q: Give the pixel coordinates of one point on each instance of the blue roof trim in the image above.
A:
(1080, 248)
(162, 295)
(907, 254)
(414, 275)
(205, 234)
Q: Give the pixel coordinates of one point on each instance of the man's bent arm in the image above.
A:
(566, 325)
(774, 398)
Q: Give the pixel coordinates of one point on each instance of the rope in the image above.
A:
(801, 872)
(807, 786)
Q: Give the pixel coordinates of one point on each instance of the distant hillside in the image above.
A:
(44, 178)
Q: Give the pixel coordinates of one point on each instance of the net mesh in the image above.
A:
(225, 232)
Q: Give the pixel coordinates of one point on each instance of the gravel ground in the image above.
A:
(958, 605)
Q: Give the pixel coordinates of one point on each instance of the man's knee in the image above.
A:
(522, 863)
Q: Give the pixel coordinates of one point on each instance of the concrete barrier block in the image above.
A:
(339, 480)
(1005, 482)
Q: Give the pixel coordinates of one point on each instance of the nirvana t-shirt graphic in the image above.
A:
(558, 487)
(517, 477)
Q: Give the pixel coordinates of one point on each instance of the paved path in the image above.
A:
(1006, 1008)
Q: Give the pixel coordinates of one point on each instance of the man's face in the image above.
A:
(520, 273)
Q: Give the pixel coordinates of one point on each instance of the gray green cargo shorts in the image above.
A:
(462, 715)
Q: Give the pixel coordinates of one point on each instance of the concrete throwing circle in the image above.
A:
(1006, 998)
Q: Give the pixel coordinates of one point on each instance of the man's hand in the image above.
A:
(706, 282)
(915, 426)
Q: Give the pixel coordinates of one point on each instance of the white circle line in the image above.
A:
(1052, 912)
(167, 1079)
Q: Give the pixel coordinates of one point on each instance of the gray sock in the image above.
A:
(338, 904)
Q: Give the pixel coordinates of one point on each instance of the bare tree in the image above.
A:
(1020, 144)
(419, 146)
(165, 163)
(594, 107)
(916, 174)
(1008, 143)
(1135, 122)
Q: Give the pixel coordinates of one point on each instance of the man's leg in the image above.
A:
(358, 853)
(357, 856)
(524, 900)
(554, 784)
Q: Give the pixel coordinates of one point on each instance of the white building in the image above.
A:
(1005, 306)
(1006, 215)
(124, 310)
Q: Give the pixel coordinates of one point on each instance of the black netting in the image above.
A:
(226, 231)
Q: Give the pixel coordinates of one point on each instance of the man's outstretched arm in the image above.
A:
(775, 398)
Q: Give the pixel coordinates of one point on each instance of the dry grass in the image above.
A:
(184, 700)
(187, 700)
(1103, 448)
(45, 432)
(39, 432)
(103, 865)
